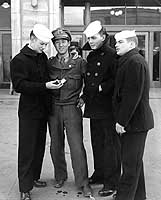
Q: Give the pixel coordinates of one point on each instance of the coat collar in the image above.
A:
(126, 56)
(104, 48)
(28, 51)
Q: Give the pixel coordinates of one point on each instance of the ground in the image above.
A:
(8, 156)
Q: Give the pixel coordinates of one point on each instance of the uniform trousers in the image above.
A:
(68, 118)
(106, 152)
(32, 138)
(132, 183)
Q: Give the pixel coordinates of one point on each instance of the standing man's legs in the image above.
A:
(57, 151)
(74, 129)
(132, 145)
(40, 148)
(112, 157)
(97, 141)
(28, 134)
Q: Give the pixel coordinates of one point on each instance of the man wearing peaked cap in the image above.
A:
(133, 115)
(97, 96)
(29, 76)
(66, 117)
(60, 33)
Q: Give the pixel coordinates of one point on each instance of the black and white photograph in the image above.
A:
(80, 99)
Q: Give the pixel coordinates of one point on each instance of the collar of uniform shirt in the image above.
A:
(63, 59)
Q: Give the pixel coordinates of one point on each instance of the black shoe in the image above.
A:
(25, 196)
(95, 180)
(106, 192)
(59, 183)
(87, 190)
(39, 184)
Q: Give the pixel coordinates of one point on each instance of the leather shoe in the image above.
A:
(39, 184)
(59, 183)
(87, 190)
(106, 192)
(95, 180)
(25, 196)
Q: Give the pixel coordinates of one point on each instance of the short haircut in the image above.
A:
(133, 39)
(32, 35)
(103, 32)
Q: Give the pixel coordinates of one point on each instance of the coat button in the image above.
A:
(70, 66)
(98, 64)
(92, 84)
(96, 74)
(88, 73)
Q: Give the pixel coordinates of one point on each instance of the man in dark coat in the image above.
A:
(133, 115)
(97, 95)
(29, 75)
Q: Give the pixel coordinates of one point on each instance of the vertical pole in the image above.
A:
(87, 14)
(125, 14)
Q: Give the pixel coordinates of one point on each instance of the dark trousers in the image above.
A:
(132, 183)
(68, 118)
(106, 152)
(32, 138)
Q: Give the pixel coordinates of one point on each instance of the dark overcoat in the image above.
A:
(101, 70)
(131, 95)
(29, 74)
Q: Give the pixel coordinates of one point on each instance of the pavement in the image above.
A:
(8, 156)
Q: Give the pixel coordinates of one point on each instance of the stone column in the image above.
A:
(15, 26)
(54, 18)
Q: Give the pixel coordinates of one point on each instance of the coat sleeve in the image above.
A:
(131, 92)
(21, 80)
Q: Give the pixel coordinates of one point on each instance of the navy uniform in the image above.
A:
(29, 73)
(134, 116)
(101, 70)
(66, 116)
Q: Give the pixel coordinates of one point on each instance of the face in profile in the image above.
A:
(38, 45)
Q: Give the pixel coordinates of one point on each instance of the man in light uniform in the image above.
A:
(67, 116)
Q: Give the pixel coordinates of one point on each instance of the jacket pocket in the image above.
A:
(74, 81)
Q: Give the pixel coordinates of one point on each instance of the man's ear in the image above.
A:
(69, 43)
(104, 37)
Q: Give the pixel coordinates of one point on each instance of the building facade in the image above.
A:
(17, 20)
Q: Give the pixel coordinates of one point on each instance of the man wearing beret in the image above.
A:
(66, 116)
(29, 75)
(97, 96)
(133, 114)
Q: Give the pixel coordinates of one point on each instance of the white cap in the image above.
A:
(93, 28)
(42, 33)
(125, 34)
